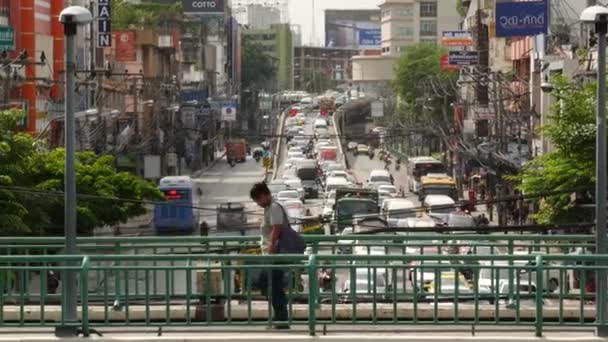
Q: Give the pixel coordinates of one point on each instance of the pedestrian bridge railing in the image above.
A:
(224, 290)
(408, 243)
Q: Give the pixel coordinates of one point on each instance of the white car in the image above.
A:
(295, 212)
(288, 195)
(390, 189)
(377, 178)
(295, 184)
(296, 155)
(339, 173)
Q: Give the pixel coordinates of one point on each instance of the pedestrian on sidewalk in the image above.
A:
(277, 238)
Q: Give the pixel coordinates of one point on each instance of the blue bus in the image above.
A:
(177, 214)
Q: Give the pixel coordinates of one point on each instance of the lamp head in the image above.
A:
(594, 14)
(77, 15)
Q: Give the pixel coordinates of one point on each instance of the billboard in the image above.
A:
(463, 58)
(354, 29)
(125, 47)
(456, 38)
(203, 6)
(519, 19)
(104, 23)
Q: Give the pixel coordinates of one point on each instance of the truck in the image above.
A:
(353, 202)
(327, 105)
(308, 172)
(236, 151)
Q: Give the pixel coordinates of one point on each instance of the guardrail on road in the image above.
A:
(276, 157)
(336, 123)
(365, 290)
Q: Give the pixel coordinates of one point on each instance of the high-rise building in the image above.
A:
(408, 22)
(262, 17)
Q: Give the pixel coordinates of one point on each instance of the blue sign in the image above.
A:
(520, 19)
(104, 23)
(463, 58)
(370, 37)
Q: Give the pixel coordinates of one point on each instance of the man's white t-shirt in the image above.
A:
(273, 215)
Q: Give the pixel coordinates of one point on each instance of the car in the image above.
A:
(295, 155)
(362, 149)
(346, 245)
(340, 173)
(377, 178)
(333, 183)
(397, 210)
(391, 189)
(287, 195)
(383, 195)
(330, 167)
(439, 206)
(352, 146)
(295, 211)
(296, 184)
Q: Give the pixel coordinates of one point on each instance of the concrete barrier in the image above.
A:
(276, 157)
(335, 121)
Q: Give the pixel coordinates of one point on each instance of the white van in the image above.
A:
(320, 125)
(397, 209)
(439, 206)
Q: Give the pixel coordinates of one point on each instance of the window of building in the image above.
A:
(432, 41)
(406, 31)
(428, 9)
(406, 11)
(386, 13)
(428, 27)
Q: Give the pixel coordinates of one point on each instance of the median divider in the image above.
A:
(276, 157)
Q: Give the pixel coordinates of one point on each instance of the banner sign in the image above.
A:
(445, 64)
(7, 38)
(203, 6)
(377, 109)
(463, 58)
(229, 111)
(456, 38)
(104, 23)
(125, 46)
(520, 19)
(370, 37)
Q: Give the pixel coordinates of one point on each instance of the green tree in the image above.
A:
(572, 164)
(423, 87)
(31, 180)
(129, 15)
(259, 70)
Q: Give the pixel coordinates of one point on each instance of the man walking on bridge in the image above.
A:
(277, 238)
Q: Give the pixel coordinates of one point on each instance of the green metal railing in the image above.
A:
(201, 290)
(205, 245)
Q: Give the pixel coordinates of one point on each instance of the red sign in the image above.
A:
(324, 112)
(125, 46)
(444, 64)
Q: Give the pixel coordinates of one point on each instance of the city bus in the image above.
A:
(177, 213)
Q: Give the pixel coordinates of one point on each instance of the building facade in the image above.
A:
(278, 43)
(408, 22)
(334, 64)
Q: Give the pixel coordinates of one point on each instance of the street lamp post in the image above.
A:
(71, 17)
(598, 15)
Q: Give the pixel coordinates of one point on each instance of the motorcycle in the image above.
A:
(397, 167)
(371, 155)
(232, 162)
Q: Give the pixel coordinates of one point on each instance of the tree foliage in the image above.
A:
(259, 70)
(422, 86)
(31, 181)
(572, 164)
(130, 15)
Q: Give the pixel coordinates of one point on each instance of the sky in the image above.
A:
(301, 13)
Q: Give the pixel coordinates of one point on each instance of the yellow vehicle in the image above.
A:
(437, 185)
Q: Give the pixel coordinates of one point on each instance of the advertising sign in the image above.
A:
(518, 19)
(463, 58)
(203, 6)
(377, 109)
(456, 38)
(229, 111)
(352, 29)
(104, 23)
(7, 38)
(125, 46)
(370, 37)
(445, 64)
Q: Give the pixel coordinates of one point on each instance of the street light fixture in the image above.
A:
(598, 15)
(71, 17)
